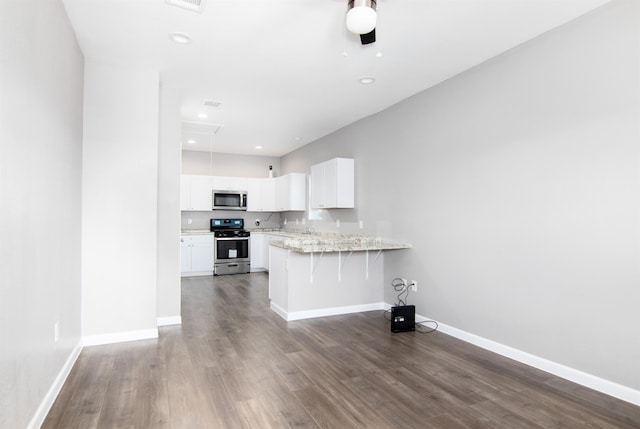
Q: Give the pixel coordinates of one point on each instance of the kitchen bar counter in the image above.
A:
(330, 242)
(341, 244)
(315, 275)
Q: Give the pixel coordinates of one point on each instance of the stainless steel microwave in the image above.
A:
(229, 200)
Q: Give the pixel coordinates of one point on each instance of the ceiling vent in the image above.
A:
(192, 5)
(203, 128)
(211, 103)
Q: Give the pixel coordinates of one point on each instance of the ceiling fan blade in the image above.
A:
(368, 38)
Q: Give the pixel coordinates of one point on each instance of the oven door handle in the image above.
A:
(231, 238)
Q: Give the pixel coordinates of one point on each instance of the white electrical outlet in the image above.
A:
(414, 285)
(189, 221)
(337, 223)
(56, 332)
(361, 224)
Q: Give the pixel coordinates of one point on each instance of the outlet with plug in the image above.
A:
(414, 285)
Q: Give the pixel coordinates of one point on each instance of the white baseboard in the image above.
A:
(171, 320)
(196, 274)
(334, 311)
(119, 337)
(588, 380)
(54, 390)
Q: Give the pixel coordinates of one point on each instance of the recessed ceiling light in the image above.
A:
(181, 38)
(298, 139)
(258, 147)
(367, 80)
(202, 115)
(191, 141)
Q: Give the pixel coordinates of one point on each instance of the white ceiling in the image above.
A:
(286, 71)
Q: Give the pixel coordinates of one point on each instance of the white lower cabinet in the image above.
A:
(196, 255)
(257, 251)
(260, 250)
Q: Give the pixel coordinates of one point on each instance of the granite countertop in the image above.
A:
(307, 242)
(195, 231)
(312, 243)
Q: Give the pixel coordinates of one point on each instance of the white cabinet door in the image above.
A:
(261, 195)
(185, 255)
(268, 238)
(257, 251)
(290, 192)
(202, 253)
(298, 192)
(268, 195)
(201, 193)
(196, 192)
(185, 192)
(222, 183)
(317, 186)
(196, 254)
(332, 184)
(282, 193)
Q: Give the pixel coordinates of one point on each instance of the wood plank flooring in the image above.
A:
(235, 364)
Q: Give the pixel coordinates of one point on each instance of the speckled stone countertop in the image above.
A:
(327, 242)
(305, 242)
(196, 231)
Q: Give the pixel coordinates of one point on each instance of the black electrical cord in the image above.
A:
(428, 331)
(399, 285)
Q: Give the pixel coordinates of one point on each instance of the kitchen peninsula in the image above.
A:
(327, 274)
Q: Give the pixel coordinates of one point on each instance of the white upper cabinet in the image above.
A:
(196, 192)
(290, 192)
(332, 184)
(261, 195)
(221, 183)
(285, 193)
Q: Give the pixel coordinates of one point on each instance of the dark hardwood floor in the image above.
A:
(235, 364)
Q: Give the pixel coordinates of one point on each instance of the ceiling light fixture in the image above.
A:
(191, 141)
(202, 115)
(258, 147)
(181, 38)
(367, 80)
(211, 103)
(361, 16)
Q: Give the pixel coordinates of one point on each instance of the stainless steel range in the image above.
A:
(231, 253)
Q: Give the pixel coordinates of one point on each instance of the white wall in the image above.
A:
(517, 183)
(41, 70)
(226, 164)
(168, 291)
(119, 202)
